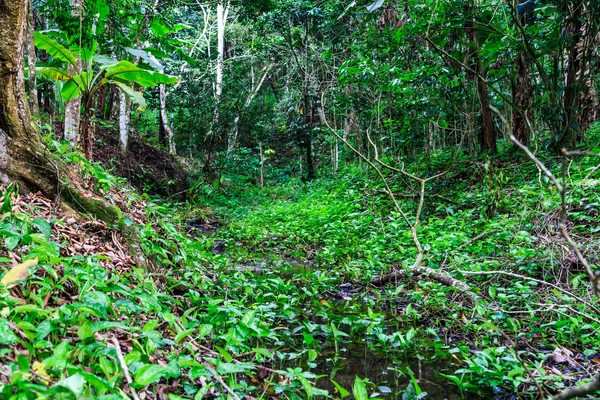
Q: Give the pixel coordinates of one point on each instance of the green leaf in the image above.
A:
(230, 368)
(136, 97)
(85, 332)
(308, 388)
(343, 392)
(149, 374)
(74, 383)
(204, 330)
(70, 91)
(125, 71)
(359, 390)
(183, 334)
(54, 74)
(43, 226)
(54, 48)
(7, 337)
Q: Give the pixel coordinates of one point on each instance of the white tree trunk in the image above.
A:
(165, 120)
(73, 111)
(73, 107)
(124, 119)
(221, 21)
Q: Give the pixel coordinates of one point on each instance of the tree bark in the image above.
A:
(73, 106)
(32, 60)
(124, 118)
(487, 137)
(522, 99)
(221, 20)
(167, 132)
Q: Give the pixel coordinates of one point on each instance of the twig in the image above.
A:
(221, 381)
(476, 238)
(533, 280)
(124, 367)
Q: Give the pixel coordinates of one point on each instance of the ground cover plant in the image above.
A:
(310, 199)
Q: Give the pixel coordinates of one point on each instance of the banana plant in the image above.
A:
(94, 71)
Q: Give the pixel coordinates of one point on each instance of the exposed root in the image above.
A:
(398, 275)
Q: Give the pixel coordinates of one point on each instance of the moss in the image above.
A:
(91, 206)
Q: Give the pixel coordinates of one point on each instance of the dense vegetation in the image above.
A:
(276, 199)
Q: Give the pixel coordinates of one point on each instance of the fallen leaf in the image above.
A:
(18, 273)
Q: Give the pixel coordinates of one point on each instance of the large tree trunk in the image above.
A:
(522, 99)
(23, 157)
(487, 137)
(32, 60)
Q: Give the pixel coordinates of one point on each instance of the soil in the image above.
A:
(149, 169)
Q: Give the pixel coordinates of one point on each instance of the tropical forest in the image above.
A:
(299, 199)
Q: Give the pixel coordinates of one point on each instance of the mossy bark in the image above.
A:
(23, 156)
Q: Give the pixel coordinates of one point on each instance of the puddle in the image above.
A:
(390, 377)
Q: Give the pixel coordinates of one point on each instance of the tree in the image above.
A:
(87, 74)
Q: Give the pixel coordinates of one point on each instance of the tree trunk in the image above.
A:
(487, 137)
(262, 165)
(221, 20)
(73, 107)
(32, 60)
(87, 134)
(23, 158)
(124, 118)
(73, 111)
(167, 132)
(522, 100)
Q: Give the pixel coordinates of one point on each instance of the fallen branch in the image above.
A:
(440, 277)
(124, 367)
(221, 381)
(566, 292)
(579, 391)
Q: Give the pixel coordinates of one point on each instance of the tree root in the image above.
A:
(430, 273)
(34, 168)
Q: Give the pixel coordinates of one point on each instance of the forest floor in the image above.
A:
(268, 293)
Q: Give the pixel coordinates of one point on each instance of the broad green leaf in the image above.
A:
(308, 388)
(74, 383)
(7, 337)
(147, 57)
(149, 374)
(43, 226)
(231, 368)
(136, 97)
(54, 74)
(70, 91)
(359, 390)
(183, 334)
(125, 72)
(54, 48)
(204, 330)
(343, 392)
